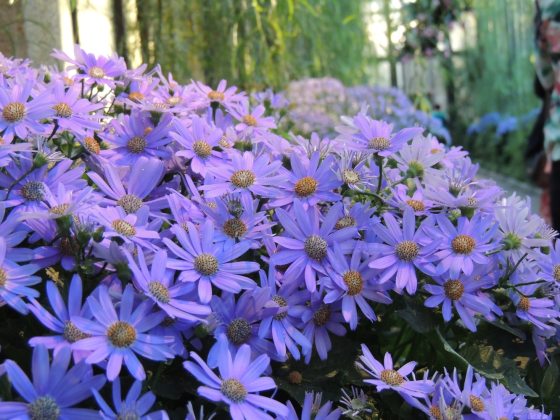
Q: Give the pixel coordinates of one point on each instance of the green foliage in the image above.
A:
(254, 43)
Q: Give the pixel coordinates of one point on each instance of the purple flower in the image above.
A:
(307, 244)
(201, 260)
(134, 136)
(130, 228)
(350, 282)
(133, 406)
(60, 322)
(377, 136)
(197, 143)
(15, 281)
(245, 173)
(386, 377)
(238, 384)
(465, 294)
(22, 111)
(118, 338)
(313, 409)
(461, 247)
(156, 283)
(403, 250)
(251, 123)
(129, 191)
(73, 113)
(92, 69)
(223, 95)
(55, 388)
(472, 393)
(310, 181)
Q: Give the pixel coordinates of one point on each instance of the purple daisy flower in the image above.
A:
(465, 294)
(284, 326)
(22, 111)
(15, 281)
(314, 409)
(156, 283)
(60, 322)
(130, 191)
(237, 323)
(198, 142)
(54, 390)
(377, 136)
(118, 338)
(246, 173)
(134, 136)
(461, 247)
(202, 260)
(92, 69)
(311, 180)
(133, 406)
(130, 228)
(307, 244)
(472, 393)
(385, 376)
(404, 249)
(319, 319)
(251, 123)
(349, 281)
(226, 96)
(73, 113)
(238, 385)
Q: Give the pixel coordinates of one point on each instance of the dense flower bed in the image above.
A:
(163, 247)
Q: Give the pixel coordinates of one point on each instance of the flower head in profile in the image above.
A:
(118, 338)
(223, 95)
(385, 376)
(55, 388)
(238, 385)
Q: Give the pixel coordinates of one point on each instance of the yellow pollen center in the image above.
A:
(407, 250)
(435, 412)
(202, 149)
(159, 291)
(379, 143)
(92, 145)
(344, 222)
(282, 303)
(60, 209)
(135, 96)
(353, 281)
(391, 377)
(3, 277)
(14, 112)
(96, 72)
(556, 272)
(72, 333)
(250, 120)
(33, 191)
(124, 228)
(463, 244)
(350, 176)
(62, 110)
(216, 96)
(137, 144)
(322, 315)
(306, 186)
(454, 289)
(130, 203)
(173, 100)
(234, 390)
(315, 247)
(239, 331)
(476, 403)
(243, 178)
(206, 264)
(121, 334)
(416, 205)
(524, 303)
(235, 228)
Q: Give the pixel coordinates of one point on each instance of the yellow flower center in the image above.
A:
(379, 143)
(353, 281)
(391, 377)
(121, 334)
(14, 112)
(137, 144)
(96, 72)
(524, 303)
(159, 291)
(235, 228)
(135, 96)
(407, 250)
(476, 403)
(556, 272)
(62, 110)
(33, 191)
(250, 120)
(130, 203)
(216, 96)
(322, 315)
(344, 222)
(202, 149)
(416, 205)
(72, 333)
(454, 289)
(243, 178)
(350, 176)
(124, 228)
(3, 277)
(234, 390)
(92, 145)
(239, 331)
(60, 209)
(315, 247)
(206, 264)
(282, 303)
(463, 244)
(306, 186)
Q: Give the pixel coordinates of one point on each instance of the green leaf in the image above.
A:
(498, 323)
(550, 381)
(418, 318)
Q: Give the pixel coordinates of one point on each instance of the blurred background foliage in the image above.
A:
(467, 57)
